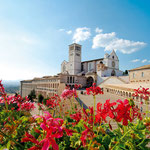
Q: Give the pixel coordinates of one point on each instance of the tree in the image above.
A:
(32, 95)
(126, 72)
(40, 98)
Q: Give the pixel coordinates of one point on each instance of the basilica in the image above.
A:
(74, 71)
(93, 70)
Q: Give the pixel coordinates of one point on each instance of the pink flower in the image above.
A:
(68, 94)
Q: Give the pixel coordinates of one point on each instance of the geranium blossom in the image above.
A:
(86, 135)
(123, 112)
(28, 106)
(142, 92)
(68, 94)
(53, 101)
(94, 90)
(54, 129)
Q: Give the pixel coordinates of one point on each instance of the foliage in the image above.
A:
(74, 129)
(125, 72)
(32, 95)
(40, 98)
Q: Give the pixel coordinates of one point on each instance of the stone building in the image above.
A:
(140, 74)
(138, 77)
(74, 72)
(94, 70)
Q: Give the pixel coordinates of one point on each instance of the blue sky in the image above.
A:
(35, 34)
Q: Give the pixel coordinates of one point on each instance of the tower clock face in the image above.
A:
(113, 64)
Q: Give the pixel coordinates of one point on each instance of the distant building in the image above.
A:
(93, 70)
(74, 72)
(124, 86)
(140, 74)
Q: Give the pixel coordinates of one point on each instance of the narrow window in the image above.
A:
(70, 79)
(142, 74)
(67, 79)
(133, 75)
(81, 67)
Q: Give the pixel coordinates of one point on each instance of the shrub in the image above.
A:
(45, 99)
(32, 95)
(40, 98)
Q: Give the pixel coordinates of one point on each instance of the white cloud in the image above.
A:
(135, 60)
(69, 32)
(98, 30)
(81, 34)
(144, 60)
(109, 41)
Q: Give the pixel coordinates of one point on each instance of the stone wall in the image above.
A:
(138, 76)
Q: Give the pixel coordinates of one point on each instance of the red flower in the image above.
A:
(86, 134)
(54, 129)
(108, 111)
(67, 94)
(94, 90)
(77, 117)
(123, 112)
(77, 86)
(28, 106)
(142, 92)
(53, 101)
(88, 115)
(31, 138)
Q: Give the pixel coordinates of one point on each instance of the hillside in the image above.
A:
(11, 86)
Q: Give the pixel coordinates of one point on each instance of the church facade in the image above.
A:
(93, 70)
(74, 71)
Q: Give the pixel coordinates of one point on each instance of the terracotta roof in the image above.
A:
(141, 68)
(92, 60)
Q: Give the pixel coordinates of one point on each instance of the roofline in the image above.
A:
(75, 44)
(139, 68)
(42, 78)
(92, 60)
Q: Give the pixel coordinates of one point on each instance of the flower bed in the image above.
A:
(76, 128)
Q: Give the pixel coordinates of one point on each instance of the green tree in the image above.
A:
(40, 98)
(32, 95)
(126, 72)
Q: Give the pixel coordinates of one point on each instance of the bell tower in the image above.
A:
(74, 59)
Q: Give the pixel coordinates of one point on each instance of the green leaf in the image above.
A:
(130, 145)
(24, 119)
(8, 144)
(102, 148)
(140, 125)
(106, 141)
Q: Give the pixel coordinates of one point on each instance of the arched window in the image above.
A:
(70, 79)
(113, 73)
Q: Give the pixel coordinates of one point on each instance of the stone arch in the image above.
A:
(118, 92)
(129, 94)
(89, 81)
(123, 93)
(126, 94)
(113, 73)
